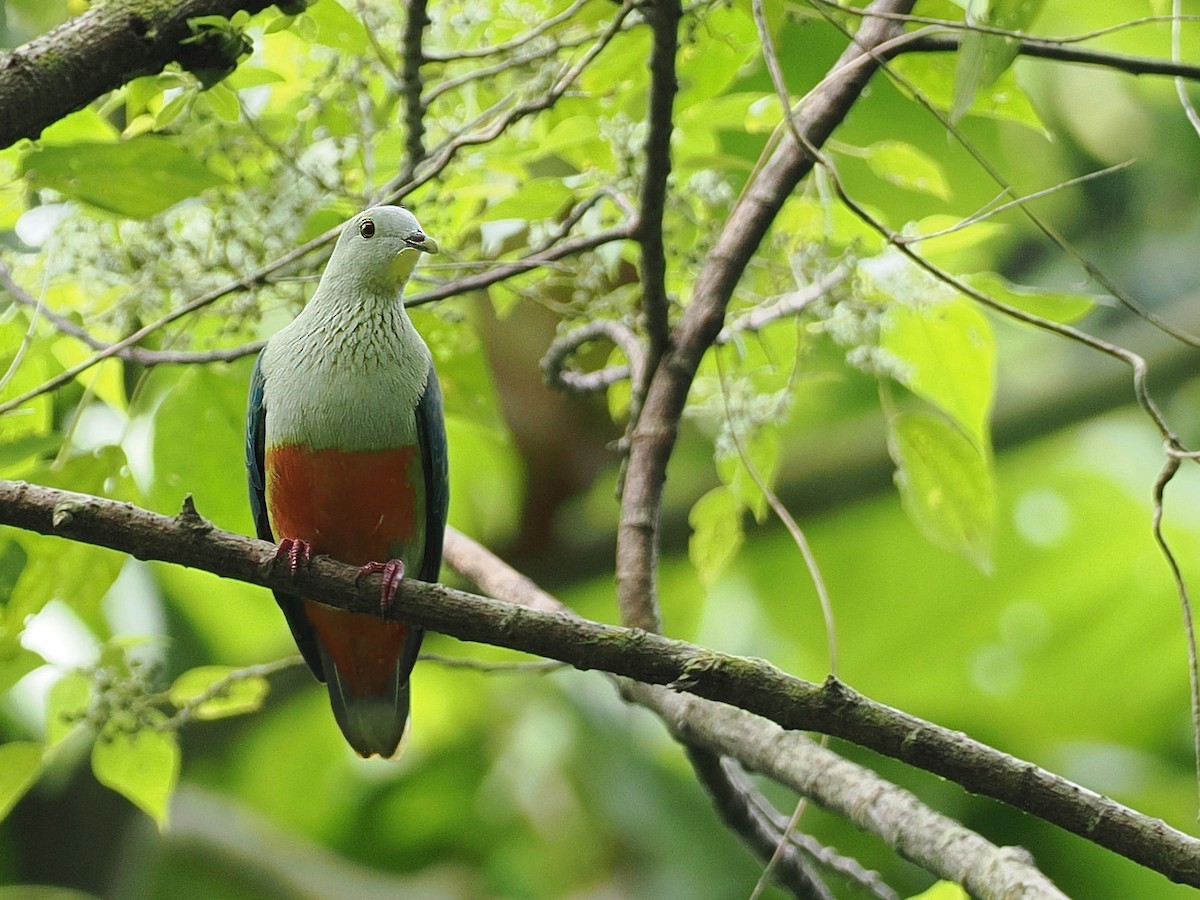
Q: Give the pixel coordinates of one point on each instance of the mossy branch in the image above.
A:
(112, 43)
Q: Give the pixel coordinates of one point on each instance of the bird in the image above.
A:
(346, 457)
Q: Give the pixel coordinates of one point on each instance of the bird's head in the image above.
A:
(380, 246)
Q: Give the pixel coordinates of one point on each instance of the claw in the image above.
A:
(298, 552)
(393, 574)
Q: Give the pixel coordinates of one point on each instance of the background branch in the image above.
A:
(716, 732)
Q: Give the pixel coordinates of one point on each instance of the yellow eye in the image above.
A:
(367, 229)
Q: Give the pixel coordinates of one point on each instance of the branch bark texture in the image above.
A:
(70, 66)
(753, 685)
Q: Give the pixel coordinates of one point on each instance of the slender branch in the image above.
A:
(533, 261)
(1185, 601)
(558, 374)
(411, 85)
(245, 283)
(945, 120)
(735, 802)
(958, 25)
(438, 158)
(664, 18)
(482, 73)
(515, 43)
(141, 355)
(1045, 49)
(754, 685)
(108, 45)
(847, 867)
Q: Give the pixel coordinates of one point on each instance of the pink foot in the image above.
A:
(298, 552)
(393, 574)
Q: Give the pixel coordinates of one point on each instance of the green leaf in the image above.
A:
(80, 126)
(535, 199)
(907, 167)
(279, 23)
(982, 57)
(141, 765)
(138, 178)
(76, 573)
(946, 484)
(942, 890)
(66, 706)
(1058, 306)
(1005, 99)
(762, 448)
(20, 765)
(716, 520)
(27, 365)
(223, 101)
(335, 27)
(947, 356)
(208, 401)
(15, 663)
(231, 695)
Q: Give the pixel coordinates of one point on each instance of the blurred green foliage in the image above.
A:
(1010, 587)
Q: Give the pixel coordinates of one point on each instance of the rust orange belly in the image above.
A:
(356, 507)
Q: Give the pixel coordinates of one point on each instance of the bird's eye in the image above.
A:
(367, 229)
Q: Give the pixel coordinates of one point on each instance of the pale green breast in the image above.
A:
(329, 383)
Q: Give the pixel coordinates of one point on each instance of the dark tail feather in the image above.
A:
(375, 723)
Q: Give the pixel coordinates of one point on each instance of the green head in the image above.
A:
(378, 249)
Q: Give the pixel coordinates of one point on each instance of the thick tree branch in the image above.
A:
(70, 66)
(653, 439)
(753, 685)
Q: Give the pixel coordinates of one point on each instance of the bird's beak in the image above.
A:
(421, 241)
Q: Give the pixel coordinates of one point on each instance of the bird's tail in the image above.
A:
(366, 663)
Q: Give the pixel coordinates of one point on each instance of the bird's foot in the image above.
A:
(393, 574)
(298, 553)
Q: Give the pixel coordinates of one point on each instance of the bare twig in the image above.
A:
(1041, 49)
(1185, 101)
(534, 260)
(960, 25)
(1185, 602)
(411, 86)
(509, 63)
(439, 157)
(559, 374)
(664, 20)
(516, 43)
